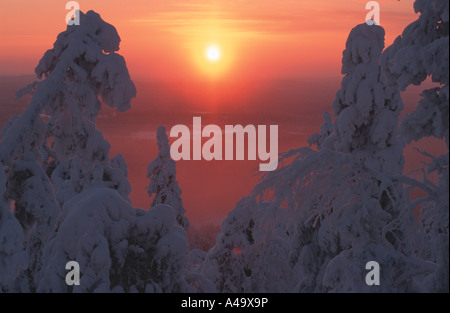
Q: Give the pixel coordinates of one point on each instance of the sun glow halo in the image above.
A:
(213, 53)
(212, 59)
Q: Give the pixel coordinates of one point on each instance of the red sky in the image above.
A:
(280, 64)
(166, 39)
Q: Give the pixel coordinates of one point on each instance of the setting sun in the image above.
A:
(213, 53)
(224, 147)
(212, 59)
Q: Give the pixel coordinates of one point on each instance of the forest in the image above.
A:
(311, 225)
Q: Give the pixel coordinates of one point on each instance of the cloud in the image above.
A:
(240, 18)
(262, 17)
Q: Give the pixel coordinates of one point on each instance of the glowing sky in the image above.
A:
(279, 63)
(166, 39)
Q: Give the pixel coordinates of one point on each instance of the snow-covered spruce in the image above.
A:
(36, 209)
(12, 256)
(30, 193)
(422, 51)
(225, 264)
(81, 67)
(347, 208)
(163, 181)
(119, 248)
(251, 251)
(164, 187)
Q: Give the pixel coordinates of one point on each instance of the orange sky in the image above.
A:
(165, 39)
(277, 56)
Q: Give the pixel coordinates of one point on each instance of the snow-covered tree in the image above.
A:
(119, 248)
(224, 264)
(348, 209)
(196, 280)
(29, 190)
(163, 181)
(422, 51)
(34, 204)
(81, 67)
(268, 256)
(36, 209)
(434, 216)
(251, 251)
(12, 256)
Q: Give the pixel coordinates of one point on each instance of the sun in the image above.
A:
(213, 53)
(212, 58)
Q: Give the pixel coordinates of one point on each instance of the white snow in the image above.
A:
(163, 183)
(309, 226)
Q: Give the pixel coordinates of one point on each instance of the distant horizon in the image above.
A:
(218, 146)
(211, 199)
(275, 61)
(167, 40)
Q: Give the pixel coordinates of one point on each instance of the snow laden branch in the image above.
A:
(82, 65)
(163, 183)
(346, 208)
(420, 53)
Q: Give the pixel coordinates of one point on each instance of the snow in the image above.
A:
(12, 257)
(117, 249)
(46, 169)
(422, 51)
(163, 182)
(346, 208)
(309, 226)
(251, 252)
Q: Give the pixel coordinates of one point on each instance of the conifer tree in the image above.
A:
(163, 182)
